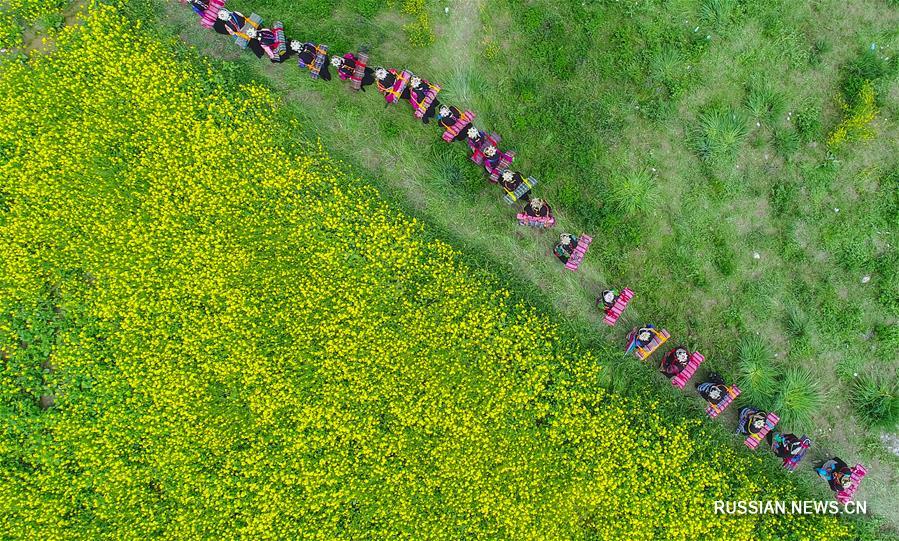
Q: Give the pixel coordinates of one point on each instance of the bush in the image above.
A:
(798, 399)
(719, 135)
(757, 373)
(876, 400)
(634, 193)
(764, 103)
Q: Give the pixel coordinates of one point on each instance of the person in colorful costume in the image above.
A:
(714, 390)
(751, 421)
(537, 208)
(837, 473)
(607, 298)
(306, 53)
(511, 180)
(229, 23)
(784, 445)
(267, 40)
(565, 247)
(674, 362)
(385, 79)
(345, 67)
(418, 90)
(447, 116)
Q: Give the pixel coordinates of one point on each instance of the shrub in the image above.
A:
(764, 103)
(798, 399)
(719, 135)
(757, 373)
(876, 400)
(634, 193)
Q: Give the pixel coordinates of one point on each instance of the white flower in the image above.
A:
(490, 150)
(251, 33)
(336, 61)
(472, 132)
(507, 175)
(444, 110)
(295, 45)
(415, 81)
(224, 14)
(381, 74)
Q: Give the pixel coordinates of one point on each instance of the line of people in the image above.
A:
(678, 364)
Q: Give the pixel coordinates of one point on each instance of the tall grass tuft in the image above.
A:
(786, 142)
(634, 193)
(796, 322)
(719, 135)
(717, 12)
(764, 103)
(876, 400)
(758, 375)
(799, 398)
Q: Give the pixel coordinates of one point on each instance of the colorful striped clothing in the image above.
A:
(749, 418)
(232, 25)
(636, 342)
(394, 86)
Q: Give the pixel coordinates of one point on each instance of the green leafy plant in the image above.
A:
(719, 135)
(764, 103)
(635, 192)
(798, 399)
(858, 114)
(876, 400)
(757, 373)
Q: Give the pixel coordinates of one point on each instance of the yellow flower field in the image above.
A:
(244, 342)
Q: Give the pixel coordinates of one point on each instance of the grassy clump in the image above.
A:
(634, 193)
(757, 372)
(719, 134)
(799, 398)
(764, 103)
(876, 400)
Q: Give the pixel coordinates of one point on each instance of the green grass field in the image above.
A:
(209, 330)
(686, 137)
(691, 140)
